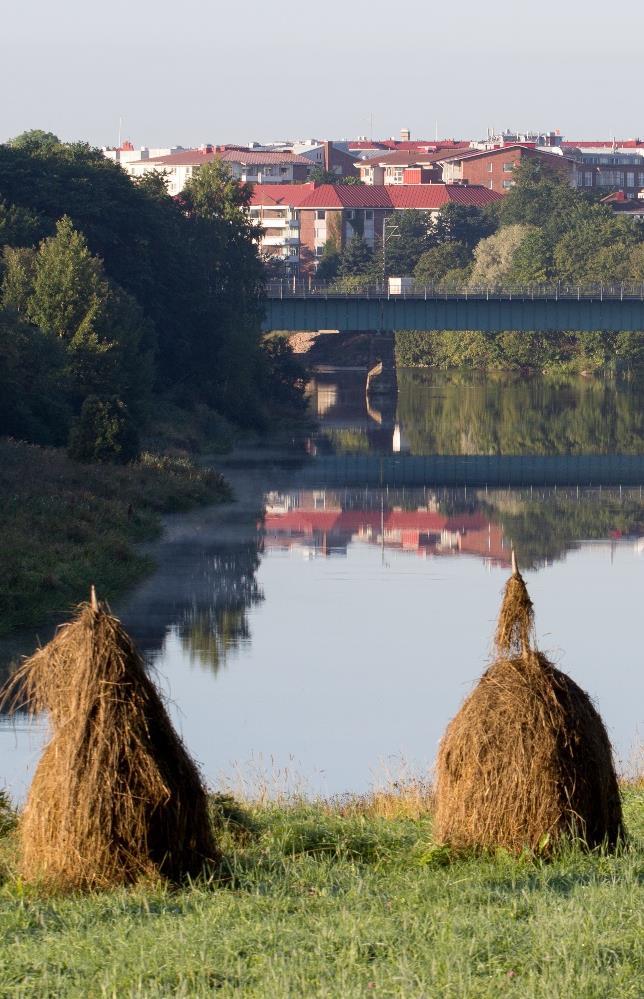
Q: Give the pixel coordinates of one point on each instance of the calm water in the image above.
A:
(329, 635)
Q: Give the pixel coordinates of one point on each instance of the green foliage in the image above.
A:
(436, 263)
(330, 261)
(35, 140)
(356, 258)
(104, 432)
(18, 226)
(34, 390)
(408, 236)
(494, 256)
(190, 267)
(286, 377)
(321, 176)
(64, 524)
(511, 350)
(61, 289)
(464, 224)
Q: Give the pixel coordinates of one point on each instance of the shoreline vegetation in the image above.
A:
(67, 524)
(344, 897)
(550, 353)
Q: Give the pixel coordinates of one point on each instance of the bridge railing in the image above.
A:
(288, 288)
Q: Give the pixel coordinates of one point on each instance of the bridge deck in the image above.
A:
(373, 310)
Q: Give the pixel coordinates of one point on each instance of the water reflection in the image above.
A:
(541, 524)
(341, 626)
(472, 413)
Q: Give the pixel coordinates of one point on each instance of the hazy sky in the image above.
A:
(206, 70)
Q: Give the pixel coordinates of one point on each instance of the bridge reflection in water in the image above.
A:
(474, 470)
(464, 430)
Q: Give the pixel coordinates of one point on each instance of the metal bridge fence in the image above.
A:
(305, 289)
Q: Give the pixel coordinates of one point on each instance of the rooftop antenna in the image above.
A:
(120, 130)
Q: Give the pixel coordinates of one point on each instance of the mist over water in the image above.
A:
(332, 632)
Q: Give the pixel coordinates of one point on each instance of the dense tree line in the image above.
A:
(542, 232)
(113, 290)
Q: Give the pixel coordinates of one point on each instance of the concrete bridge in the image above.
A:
(298, 306)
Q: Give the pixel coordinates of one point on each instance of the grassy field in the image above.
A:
(342, 900)
(64, 525)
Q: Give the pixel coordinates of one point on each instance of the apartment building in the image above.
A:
(245, 165)
(299, 219)
(493, 168)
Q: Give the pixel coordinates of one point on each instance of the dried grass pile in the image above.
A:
(115, 795)
(526, 761)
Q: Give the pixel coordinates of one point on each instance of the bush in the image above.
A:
(104, 432)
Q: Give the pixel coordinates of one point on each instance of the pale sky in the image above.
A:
(195, 71)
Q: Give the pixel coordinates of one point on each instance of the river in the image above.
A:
(320, 639)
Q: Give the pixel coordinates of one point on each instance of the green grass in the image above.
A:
(65, 525)
(340, 903)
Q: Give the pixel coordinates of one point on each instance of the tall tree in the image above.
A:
(407, 235)
(466, 224)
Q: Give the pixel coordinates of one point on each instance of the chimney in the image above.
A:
(405, 135)
(326, 152)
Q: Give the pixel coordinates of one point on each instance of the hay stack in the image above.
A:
(115, 795)
(526, 761)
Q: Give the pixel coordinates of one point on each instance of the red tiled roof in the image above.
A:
(410, 157)
(428, 197)
(424, 197)
(347, 196)
(281, 194)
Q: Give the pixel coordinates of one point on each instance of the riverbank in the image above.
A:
(65, 524)
(348, 899)
(549, 352)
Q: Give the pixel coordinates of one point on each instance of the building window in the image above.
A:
(320, 214)
(368, 215)
(489, 167)
(630, 178)
(491, 184)
(319, 250)
(508, 184)
(351, 215)
(588, 178)
(508, 167)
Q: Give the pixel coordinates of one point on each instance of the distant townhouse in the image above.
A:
(493, 168)
(245, 165)
(411, 166)
(298, 220)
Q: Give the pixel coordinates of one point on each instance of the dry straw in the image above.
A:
(526, 761)
(115, 795)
